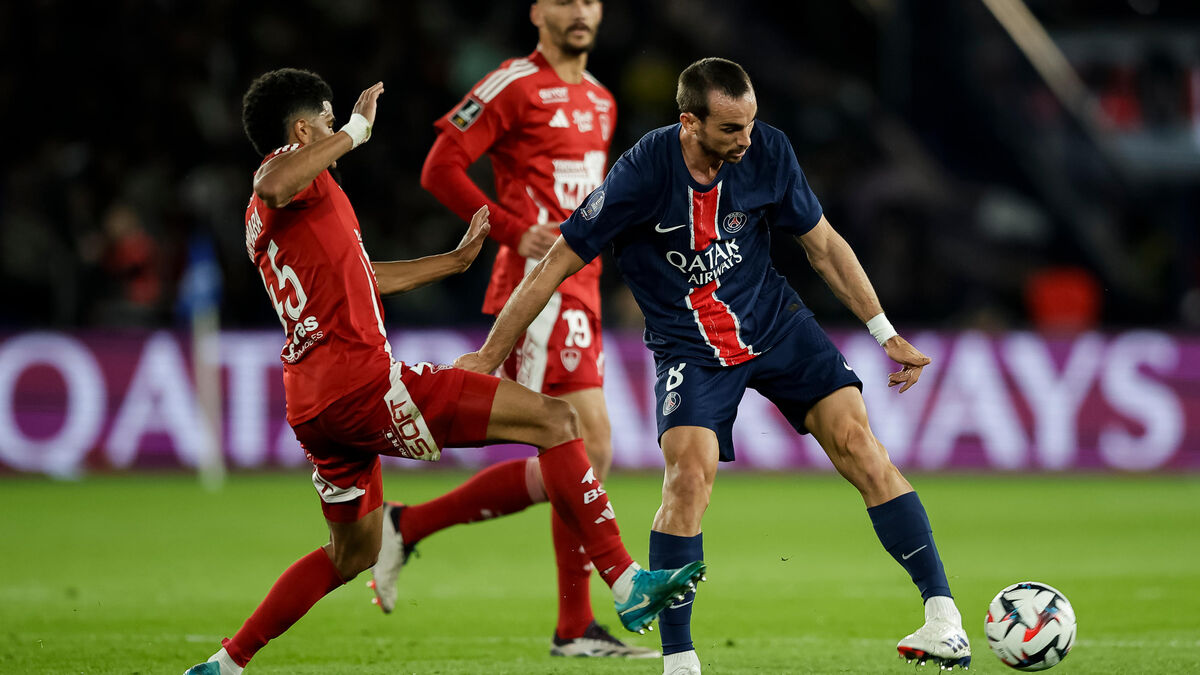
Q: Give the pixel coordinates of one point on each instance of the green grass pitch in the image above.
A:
(144, 574)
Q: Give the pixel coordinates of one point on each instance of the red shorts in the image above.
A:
(410, 412)
(561, 351)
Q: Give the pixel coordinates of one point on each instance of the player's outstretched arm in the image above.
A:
(444, 175)
(835, 261)
(282, 178)
(404, 275)
(526, 302)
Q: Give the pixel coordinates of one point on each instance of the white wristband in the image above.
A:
(358, 128)
(881, 329)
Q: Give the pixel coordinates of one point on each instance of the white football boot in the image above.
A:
(392, 556)
(681, 663)
(942, 638)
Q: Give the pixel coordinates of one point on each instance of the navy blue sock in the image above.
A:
(903, 527)
(668, 551)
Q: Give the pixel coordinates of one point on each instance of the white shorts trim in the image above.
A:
(410, 434)
(534, 353)
(332, 494)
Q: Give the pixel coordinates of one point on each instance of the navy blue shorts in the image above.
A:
(802, 369)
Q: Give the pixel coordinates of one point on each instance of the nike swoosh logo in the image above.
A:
(847, 367)
(682, 604)
(644, 603)
(660, 228)
(906, 557)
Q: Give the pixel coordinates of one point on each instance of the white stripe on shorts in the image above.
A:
(534, 352)
(410, 434)
(332, 494)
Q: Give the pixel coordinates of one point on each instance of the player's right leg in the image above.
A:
(552, 425)
(695, 410)
(690, 454)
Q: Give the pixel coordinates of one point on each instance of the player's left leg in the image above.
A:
(690, 455)
(839, 423)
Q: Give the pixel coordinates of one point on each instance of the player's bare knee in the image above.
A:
(855, 443)
(687, 485)
(872, 468)
(558, 421)
(599, 453)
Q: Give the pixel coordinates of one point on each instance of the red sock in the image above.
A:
(295, 592)
(574, 572)
(496, 491)
(578, 498)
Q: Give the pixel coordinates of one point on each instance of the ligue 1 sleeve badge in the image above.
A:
(594, 203)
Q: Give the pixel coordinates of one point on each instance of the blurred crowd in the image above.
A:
(974, 196)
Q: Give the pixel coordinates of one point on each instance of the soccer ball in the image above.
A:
(1030, 626)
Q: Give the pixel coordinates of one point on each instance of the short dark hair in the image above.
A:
(710, 74)
(277, 98)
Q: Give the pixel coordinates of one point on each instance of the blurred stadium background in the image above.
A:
(1036, 217)
(1028, 209)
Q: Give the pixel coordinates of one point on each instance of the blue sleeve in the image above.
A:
(622, 201)
(798, 208)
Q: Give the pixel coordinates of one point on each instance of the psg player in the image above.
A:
(688, 213)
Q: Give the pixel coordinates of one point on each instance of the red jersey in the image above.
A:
(320, 280)
(548, 141)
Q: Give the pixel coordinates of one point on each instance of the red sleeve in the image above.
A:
(444, 175)
(305, 198)
(308, 194)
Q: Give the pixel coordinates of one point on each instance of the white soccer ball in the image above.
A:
(1030, 626)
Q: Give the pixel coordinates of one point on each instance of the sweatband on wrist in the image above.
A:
(358, 128)
(881, 329)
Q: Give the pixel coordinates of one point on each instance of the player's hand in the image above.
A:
(537, 240)
(472, 241)
(911, 361)
(366, 102)
(477, 363)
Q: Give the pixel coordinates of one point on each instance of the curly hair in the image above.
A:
(710, 74)
(276, 99)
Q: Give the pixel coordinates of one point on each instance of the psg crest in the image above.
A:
(670, 403)
(734, 222)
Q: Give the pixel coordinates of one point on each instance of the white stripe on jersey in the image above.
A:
(591, 78)
(737, 325)
(500, 73)
(692, 214)
(387, 346)
(700, 326)
(496, 82)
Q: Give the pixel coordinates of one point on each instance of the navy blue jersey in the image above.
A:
(697, 257)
